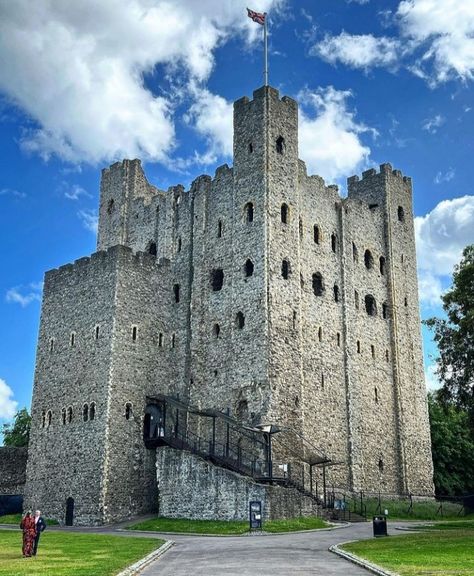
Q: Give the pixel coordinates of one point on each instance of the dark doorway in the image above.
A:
(69, 511)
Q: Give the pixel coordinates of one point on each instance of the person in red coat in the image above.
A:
(29, 534)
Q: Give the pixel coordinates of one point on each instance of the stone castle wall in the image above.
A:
(254, 293)
(13, 469)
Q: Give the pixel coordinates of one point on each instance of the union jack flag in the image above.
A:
(257, 17)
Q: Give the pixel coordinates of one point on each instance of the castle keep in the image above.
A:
(259, 293)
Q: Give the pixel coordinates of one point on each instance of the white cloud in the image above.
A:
(445, 177)
(8, 406)
(25, 295)
(74, 192)
(445, 30)
(329, 141)
(363, 51)
(211, 116)
(78, 68)
(89, 219)
(441, 236)
(431, 125)
(431, 379)
(12, 192)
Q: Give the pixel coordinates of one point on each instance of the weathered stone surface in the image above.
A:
(263, 344)
(12, 469)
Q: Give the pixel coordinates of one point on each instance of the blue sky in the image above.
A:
(84, 84)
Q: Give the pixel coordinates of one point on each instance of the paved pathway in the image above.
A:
(266, 555)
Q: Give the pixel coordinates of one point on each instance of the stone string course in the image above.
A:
(349, 382)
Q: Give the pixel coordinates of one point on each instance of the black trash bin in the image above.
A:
(380, 526)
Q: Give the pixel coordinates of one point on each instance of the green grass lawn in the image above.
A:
(225, 527)
(422, 509)
(16, 519)
(444, 552)
(72, 554)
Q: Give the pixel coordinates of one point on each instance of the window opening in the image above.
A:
(382, 265)
(387, 356)
(180, 244)
(176, 292)
(356, 299)
(49, 417)
(43, 419)
(384, 310)
(372, 350)
(406, 301)
(152, 248)
(51, 345)
(134, 333)
(249, 212)
(338, 338)
(358, 346)
(219, 229)
(73, 339)
(320, 334)
(240, 320)
(368, 260)
(248, 268)
(217, 330)
(322, 380)
(316, 234)
(128, 411)
(173, 340)
(376, 395)
(69, 414)
(318, 284)
(333, 242)
(92, 411)
(250, 148)
(300, 224)
(280, 145)
(217, 279)
(285, 269)
(97, 331)
(401, 214)
(294, 319)
(336, 293)
(284, 213)
(110, 206)
(63, 416)
(381, 466)
(160, 339)
(85, 412)
(370, 305)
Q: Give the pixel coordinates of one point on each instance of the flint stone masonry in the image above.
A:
(351, 383)
(12, 470)
(219, 494)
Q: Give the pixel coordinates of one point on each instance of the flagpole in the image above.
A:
(265, 51)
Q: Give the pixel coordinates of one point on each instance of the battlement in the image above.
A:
(260, 94)
(385, 170)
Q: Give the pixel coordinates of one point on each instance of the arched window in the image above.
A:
(285, 269)
(284, 213)
(219, 229)
(318, 284)
(382, 265)
(370, 305)
(336, 293)
(152, 248)
(280, 145)
(176, 292)
(381, 466)
(248, 210)
(401, 214)
(250, 148)
(128, 411)
(110, 206)
(92, 411)
(69, 414)
(240, 320)
(368, 259)
(316, 234)
(334, 242)
(217, 279)
(216, 330)
(242, 410)
(85, 412)
(248, 268)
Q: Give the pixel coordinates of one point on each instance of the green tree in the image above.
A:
(452, 446)
(454, 336)
(17, 433)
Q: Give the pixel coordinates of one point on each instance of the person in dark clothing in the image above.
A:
(40, 527)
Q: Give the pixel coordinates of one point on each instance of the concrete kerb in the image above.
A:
(359, 561)
(138, 566)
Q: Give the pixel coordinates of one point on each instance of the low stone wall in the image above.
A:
(12, 469)
(190, 487)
